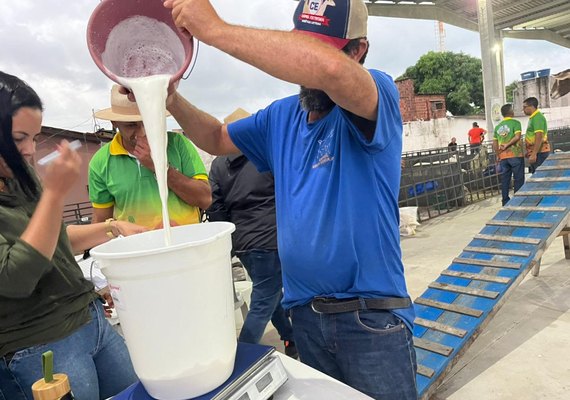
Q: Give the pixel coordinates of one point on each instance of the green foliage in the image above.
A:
(509, 91)
(457, 75)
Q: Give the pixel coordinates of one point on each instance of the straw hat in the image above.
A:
(122, 109)
(238, 114)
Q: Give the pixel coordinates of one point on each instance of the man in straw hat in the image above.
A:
(122, 184)
(334, 151)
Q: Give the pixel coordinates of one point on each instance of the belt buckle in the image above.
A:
(318, 298)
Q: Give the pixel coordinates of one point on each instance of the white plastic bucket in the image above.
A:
(175, 305)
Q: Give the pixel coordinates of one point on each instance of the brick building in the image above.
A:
(419, 107)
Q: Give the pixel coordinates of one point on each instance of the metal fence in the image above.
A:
(77, 213)
(441, 180)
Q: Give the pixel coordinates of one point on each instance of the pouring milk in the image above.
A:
(146, 67)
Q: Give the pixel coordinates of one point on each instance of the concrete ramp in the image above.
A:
(456, 307)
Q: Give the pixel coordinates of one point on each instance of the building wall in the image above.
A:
(419, 135)
(419, 107)
(539, 88)
(48, 143)
(407, 105)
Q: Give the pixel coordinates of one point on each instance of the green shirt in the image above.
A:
(41, 300)
(537, 124)
(505, 131)
(117, 179)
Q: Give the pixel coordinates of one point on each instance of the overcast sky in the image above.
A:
(43, 42)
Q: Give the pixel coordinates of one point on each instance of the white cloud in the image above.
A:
(44, 43)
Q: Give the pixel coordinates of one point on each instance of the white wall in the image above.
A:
(419, 135)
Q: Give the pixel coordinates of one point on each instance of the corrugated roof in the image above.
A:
(526, 19)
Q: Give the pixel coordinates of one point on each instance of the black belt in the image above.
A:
(330, 305)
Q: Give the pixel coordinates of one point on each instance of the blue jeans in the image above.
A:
(370, 350)
(540, 158)
(94, 358)
(264, 269)
(511, 167)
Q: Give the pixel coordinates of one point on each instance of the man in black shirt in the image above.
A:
(245, 197)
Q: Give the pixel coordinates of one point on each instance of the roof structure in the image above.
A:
(101, 135)
(519, 19)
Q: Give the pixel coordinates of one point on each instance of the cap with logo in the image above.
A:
(335, 22)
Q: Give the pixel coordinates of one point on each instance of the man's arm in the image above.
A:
(205, 131)
(513, 140)
(290, 56)
(540, 131)
(217, 210)
(300, 59)
(192, 191)
(102, 214)
(537, 146)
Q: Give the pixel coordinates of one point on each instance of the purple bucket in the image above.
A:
(164, 50)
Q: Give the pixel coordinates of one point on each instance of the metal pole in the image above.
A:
(492, 62)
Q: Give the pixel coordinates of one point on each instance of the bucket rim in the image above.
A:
(96, 252)
(97, 59)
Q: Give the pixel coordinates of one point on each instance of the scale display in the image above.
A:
(262, 383)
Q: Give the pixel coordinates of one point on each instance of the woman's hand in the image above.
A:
(105, 293)
(125, 228)
(62, 173)
(5, 171)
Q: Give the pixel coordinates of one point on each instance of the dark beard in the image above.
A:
(315, 100)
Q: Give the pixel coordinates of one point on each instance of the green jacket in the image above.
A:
(41, 300)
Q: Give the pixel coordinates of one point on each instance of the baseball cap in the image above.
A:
(335, 22)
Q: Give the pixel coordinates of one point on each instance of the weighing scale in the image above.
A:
(258, 373)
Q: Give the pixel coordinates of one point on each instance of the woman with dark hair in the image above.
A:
(45, 303)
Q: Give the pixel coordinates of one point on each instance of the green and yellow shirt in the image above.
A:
(537, 124)
(117, 179)
(505, 131)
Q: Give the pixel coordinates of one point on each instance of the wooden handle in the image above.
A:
(53, 390)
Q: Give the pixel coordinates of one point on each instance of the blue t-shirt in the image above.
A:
(336, 195)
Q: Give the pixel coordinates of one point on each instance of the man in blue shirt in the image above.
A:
(334, 151)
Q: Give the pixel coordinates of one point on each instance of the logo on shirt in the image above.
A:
(324, 155)
(503, 131)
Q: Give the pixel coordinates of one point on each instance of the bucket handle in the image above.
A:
(194, 58)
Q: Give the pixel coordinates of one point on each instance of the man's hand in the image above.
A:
(532, 157)
(172, 87)
(196, 17)
(502, 147)
(106, 295)
(142, 152)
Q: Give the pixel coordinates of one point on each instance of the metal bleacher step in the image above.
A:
(457, 306)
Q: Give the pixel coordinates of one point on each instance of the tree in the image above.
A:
(457, 75)
(509, 91)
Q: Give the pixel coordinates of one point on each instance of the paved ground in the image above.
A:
(524, 353)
